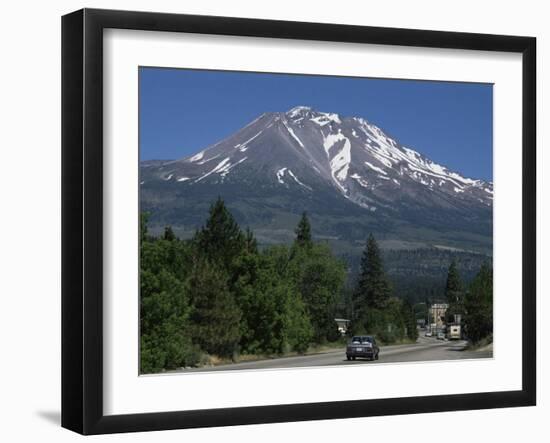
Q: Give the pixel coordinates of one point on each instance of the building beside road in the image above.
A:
(437, 316)
(343, 324)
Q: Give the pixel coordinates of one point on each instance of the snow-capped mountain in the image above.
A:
(306, 160)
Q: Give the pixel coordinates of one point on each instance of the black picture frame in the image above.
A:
(82, 218)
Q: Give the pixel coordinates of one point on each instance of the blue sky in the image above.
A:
(183, 111)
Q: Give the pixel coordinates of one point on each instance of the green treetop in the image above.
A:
(215, 314)
(251, 244)
(169, 233)
(453, 288)
(221, 239)
(373, 288)
(303, 232)
(478, 304)
(143, 219)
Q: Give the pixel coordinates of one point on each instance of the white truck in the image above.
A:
(454, 332)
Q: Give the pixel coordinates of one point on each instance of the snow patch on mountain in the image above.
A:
(244, 146)
(298, 181)
(202, 162)
(324, 118)
(438, 169)
(466, 181)
(339, 164)
(331, 139)
(376, 168)
(280, 174)
(291, 132)
(218, 167)
(332, 117)
(417, 171)
(320, 120)
(198, 156)
(225, 170)
(298, 110)
(360, 180)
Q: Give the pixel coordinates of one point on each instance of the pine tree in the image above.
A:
(221, 239)
(143, 219)
(215, 314)
(409, 319)
(303, 232)
(164, 322)
(274, 318)
(169, 234)
(453, 287)
(478, 304)
(373, 289)
(319, 277)
(251, 244)
(165, 341)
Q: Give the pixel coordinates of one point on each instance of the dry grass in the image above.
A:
(214, 360)
(482, 345)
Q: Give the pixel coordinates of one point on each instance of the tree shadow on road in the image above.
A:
(456, 348)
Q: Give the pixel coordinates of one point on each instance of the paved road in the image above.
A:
(426, 349)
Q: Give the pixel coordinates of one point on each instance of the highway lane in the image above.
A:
(426, 349)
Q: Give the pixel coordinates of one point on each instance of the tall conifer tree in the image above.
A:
(453, 287)
(251, 244)
(479, 305)
(215, 313)
(303, 232)
(143, 232)
(169, 234)
(220, 240)
(373, 288)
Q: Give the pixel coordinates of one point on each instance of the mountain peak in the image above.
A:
(307, 112)
(300, 108)
(299, 111)
(305, 159)
(310, 150)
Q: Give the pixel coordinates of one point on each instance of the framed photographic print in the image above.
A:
(270, 221)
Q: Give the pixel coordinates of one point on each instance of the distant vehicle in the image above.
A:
(362, 346)
(428, 334)
(454, 332)
(440, 336)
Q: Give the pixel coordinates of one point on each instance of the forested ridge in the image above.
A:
(420, 274)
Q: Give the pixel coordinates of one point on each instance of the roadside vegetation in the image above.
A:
(375, 309)
(218, 297)
(474, 302)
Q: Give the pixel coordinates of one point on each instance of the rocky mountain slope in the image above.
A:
(348, 174)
